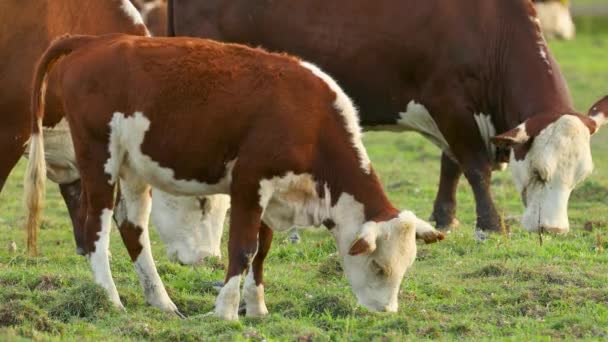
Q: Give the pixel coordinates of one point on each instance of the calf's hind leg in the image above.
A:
(245, 220)
(134, 233)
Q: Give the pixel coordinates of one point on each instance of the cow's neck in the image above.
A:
(351, 189)
(528, 81)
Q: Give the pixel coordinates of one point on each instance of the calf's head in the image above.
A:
(550, 156)
(377, 257)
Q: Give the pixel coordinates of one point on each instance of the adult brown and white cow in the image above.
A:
(555, 18)
(28, 28)
(456, 72)
(197, 117)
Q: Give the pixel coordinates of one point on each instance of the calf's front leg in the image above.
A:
(253, 290)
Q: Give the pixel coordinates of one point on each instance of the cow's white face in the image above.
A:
(376, 260)
(547, 162)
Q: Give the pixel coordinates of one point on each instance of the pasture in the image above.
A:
(509, 287)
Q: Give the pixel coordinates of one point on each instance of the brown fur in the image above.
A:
(33, 25)
(227, 102)
(456, 58)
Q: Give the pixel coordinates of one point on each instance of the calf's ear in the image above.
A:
(510, 138)
(365, 243)
(598, 113)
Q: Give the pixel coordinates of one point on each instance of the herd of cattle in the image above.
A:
(215, 124)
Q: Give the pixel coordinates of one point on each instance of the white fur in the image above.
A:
(417, 118)
(347, 110)
(487, 131)
(254, 297)
(59, 153)
(561, 156)
(599, 118)
(227, 302)
(189, 232)
(99, 259)
(555, 20)
(130, 10)
(126, 136)
(138, 203)
(292, 200)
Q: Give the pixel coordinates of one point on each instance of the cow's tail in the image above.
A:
(35, 174)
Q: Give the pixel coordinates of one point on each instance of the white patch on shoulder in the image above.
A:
(130, 10)
(292, 200)
(417, 118)
(254, 297)
(126, 137)
(100, 259)
(347, 110)
(227, 302)
(487, 131)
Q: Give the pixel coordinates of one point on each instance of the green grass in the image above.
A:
(503, 289)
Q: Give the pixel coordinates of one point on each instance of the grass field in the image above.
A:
(506, 288)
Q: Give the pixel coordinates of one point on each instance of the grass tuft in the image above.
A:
(88, 301)
(17, 312)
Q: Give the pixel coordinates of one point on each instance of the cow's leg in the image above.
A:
(479, 173)
(98, 224)
(134, 233)
(242, 247)
(444, 210)
(71, 193)
(253, 289)
(214, 210)
(12, 149)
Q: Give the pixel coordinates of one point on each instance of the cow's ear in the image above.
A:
(598, 113)
(510, 138)
(365, 243)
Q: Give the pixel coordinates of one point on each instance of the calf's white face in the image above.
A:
(376, 259)
(558, 158)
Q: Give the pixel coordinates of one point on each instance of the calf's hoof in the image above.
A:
(431, 236)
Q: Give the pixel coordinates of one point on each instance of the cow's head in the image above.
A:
(555, 19)
(550, 156)
(376, 258)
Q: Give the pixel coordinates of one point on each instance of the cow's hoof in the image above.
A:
(294, 238)
(444, 223)
(227, 315)
(431, 236)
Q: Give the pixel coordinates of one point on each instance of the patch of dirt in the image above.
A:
(336, 306)
(491, 270)
(86, 301)
(331, 268)
(17, 312)
(48, 283)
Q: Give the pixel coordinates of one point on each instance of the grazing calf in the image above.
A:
(196, 117)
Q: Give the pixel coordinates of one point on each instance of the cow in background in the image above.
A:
(154, 14)
(555, 19)
(33, 25)
(476, 78)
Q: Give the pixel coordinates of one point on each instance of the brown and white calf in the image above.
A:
(459, 73)
(197, 117)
